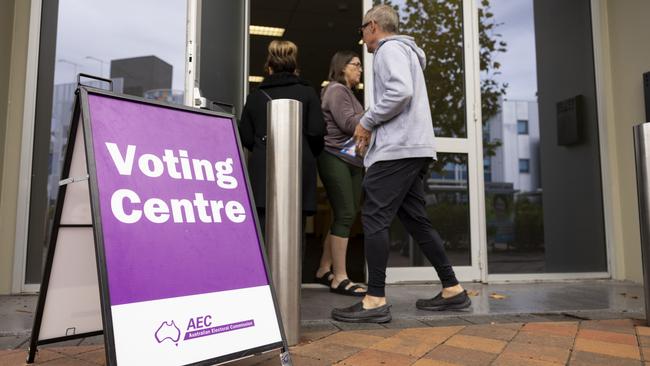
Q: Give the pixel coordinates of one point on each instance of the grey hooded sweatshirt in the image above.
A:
(400, 119)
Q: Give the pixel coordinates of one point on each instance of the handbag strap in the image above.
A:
(270, 99)
(267, 94)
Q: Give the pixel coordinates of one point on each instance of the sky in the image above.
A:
(116, 29)
(518, 63)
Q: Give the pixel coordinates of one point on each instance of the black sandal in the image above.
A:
(325, 278)
(351, 291)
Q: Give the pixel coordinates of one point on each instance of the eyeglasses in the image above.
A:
(355, 64)
(362, 27)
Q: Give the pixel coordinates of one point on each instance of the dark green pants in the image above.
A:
(342, 182)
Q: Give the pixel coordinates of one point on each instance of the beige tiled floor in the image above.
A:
(593, 342)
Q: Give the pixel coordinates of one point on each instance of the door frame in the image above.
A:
(602, 80)
(18, 284)
(478, 270)
(472, 146)
(36, 17)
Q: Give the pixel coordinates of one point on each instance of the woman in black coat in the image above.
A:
(282, 83)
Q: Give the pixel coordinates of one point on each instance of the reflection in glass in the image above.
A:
(99, 38)
(447, 203)
(513, 194)
(543, 201)
(437, 26)
(141, 50)
(522, 127)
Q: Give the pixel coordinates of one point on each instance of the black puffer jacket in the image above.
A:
(252, 130)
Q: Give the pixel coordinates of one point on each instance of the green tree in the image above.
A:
(437, 27)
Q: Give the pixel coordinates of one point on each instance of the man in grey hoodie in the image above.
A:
(396, 135)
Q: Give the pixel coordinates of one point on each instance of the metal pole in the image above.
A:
(642, 155)
(284, 208)
(191, 50)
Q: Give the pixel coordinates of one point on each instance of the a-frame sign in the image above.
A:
(155, 241)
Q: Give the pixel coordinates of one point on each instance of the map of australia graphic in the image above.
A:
(168, 330)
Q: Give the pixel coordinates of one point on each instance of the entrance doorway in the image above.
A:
(484, 195)
(454, 200)
(447, 32)
(517, 191)
(319, 29)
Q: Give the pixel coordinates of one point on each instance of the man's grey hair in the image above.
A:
(385, 16)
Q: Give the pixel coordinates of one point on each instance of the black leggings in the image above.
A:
(396, 187)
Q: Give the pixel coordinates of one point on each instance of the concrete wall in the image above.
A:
(6, 32)
(6, 25)
(626, 24)
(14, 23)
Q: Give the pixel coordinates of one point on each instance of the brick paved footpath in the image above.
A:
(593, 342)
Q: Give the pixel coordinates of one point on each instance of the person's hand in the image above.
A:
(362, 139)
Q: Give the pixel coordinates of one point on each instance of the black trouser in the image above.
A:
(397, 187)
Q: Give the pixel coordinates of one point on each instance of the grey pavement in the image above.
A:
(492, 303)
(575, 298)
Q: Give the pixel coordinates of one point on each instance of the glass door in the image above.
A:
(139, 45)
(446, 31)
(543, 192)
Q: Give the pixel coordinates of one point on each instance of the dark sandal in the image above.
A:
(325, 278)
(351, 291)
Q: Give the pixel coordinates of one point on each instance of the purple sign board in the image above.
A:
(184, 276)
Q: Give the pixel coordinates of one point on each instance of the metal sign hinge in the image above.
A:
(73, 180)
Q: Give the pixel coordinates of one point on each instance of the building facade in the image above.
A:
(516, 126)
(512, 195)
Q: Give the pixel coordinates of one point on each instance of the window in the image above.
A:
(438, 28)
(142, 51)
(522, 127)
(487, 169)
(533, 54)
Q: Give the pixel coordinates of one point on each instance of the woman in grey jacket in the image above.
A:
(339, 170)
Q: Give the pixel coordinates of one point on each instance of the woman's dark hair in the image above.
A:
(339, 61)
(282, 57)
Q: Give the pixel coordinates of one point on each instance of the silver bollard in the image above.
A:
(642, 155)
(284, 208)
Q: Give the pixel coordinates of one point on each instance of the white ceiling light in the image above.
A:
(259, 30)
(255, 79)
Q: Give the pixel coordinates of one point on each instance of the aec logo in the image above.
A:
(197, 327)
(168, 330)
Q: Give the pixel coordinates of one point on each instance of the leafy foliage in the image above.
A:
(437, 27)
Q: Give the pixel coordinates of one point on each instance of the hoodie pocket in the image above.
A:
(396, 133)
(391, 135)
